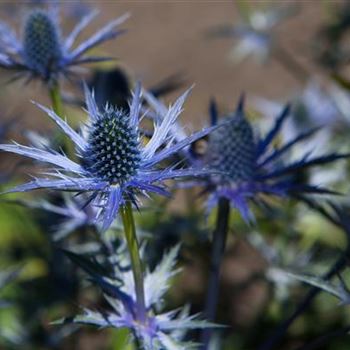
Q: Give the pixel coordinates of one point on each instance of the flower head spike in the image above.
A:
(115, 165)
(42, 52)
(159, 330)
(250, 166)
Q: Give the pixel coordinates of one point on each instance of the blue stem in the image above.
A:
(218, 249)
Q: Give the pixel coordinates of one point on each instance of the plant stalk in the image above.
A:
(218, 249)
(136, 264)
(291, 65)
(325, 339)
(57, 106)
(56, 99)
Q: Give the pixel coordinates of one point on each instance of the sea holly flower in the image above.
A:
(255, 32)
(157, 330)
(250, 166)
(115, 165)
(42, 52)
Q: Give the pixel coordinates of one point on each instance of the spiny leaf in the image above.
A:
(340, 291)
(90, 266)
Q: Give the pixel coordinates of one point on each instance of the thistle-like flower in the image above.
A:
(43, 53)
(255, 32)
(156, 330)
(249, 166)
(115, 164)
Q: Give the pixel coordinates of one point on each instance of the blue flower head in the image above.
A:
(249, 166)
(115, 166)
(42, 51)
(157, 330)
(41, 44)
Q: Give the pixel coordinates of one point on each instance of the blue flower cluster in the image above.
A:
(96, 175)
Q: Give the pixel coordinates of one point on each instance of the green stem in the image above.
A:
(57, 106)
(56, 99)
(137, 269)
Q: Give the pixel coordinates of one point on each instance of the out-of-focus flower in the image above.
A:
(250, 166)
(314, 106)
(7, 277)
(115, 165)
(43, 53)
(11, 333)
(113, 86)
(73, 213)
(255, 33)
(157, 330)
